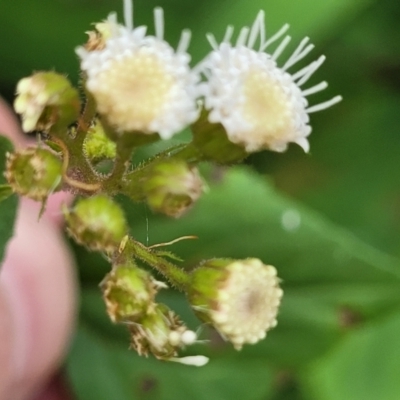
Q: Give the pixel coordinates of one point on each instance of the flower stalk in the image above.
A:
(138, 90)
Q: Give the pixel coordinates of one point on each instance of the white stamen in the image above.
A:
(275, 37)
(159, 22)
(299, 53)
(195, 361)
(184, 41)
(313, 67)
(255, 29)
(304, 70)
(262, 30)
(228, 34)
(281, 47)
(241, 40)
(304, 144)
(315, 89)
(213, 42)
(324, 105)
(128, 14)
(299, 48)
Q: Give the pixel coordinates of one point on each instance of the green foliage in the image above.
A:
(8, 204)
(337, 335)
(333, 283)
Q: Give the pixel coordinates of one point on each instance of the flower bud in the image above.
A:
(46, 100)
(240, 298)
(97, 146)
(128, 292)
(212, 141)
(33, 172)
(97, 222)
(171, 187)
(160, 333)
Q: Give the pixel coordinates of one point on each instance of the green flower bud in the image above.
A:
(46, 100)
(97, 146)
(212, 141)
(128, 292)
(161, 333)
(240, 298)
(33, 172)
(171, 187)
(97, 222)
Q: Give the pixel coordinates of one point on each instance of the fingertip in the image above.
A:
(39, 285)
(10, 127)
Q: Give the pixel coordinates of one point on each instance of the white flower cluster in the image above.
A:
(138, 81)
(260, 105)
(142, 85)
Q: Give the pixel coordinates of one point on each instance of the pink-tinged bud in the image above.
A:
(46, 100)
(97, 222)
(171, 187)
(129, 293)
(34, 172)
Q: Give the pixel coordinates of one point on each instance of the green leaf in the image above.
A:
(365, 366)
(326, 271)
(5, 192)
(102, 371)
(8, 206)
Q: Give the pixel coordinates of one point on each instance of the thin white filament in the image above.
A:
(262, 30)
(255, 29)
(241, 40)
(299, 48)
(159, 22)
(304, 70)
(281, 47)
(324, 105)
(213, 42)
(313, 67)
(128, 14)
(275, 37)
(228, 34)
(298, 55)
(184, 41)
(315, 89)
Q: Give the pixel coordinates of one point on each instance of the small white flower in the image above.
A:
(240, 298)
(139, 82)
(260, 105)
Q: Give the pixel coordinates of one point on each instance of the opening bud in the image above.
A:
(128, 292)
(240, 298)
(161, 333)
(97, 222)
(33, 172)
(172, 187)
(46, 100)
(97, 146)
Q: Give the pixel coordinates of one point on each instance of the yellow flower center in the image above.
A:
(132, 91)
(266, 107)
(249, 303)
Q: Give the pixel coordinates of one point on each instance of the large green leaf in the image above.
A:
(365, 366)
(8, 206)
(326, 271)
(102, 371)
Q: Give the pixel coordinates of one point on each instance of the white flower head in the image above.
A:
(260, 105)
(240, 298)
(140, 83)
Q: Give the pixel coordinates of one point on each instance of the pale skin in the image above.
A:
(37, 297)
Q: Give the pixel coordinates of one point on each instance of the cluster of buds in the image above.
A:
(137, 89)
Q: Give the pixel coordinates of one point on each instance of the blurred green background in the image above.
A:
(329, 220)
